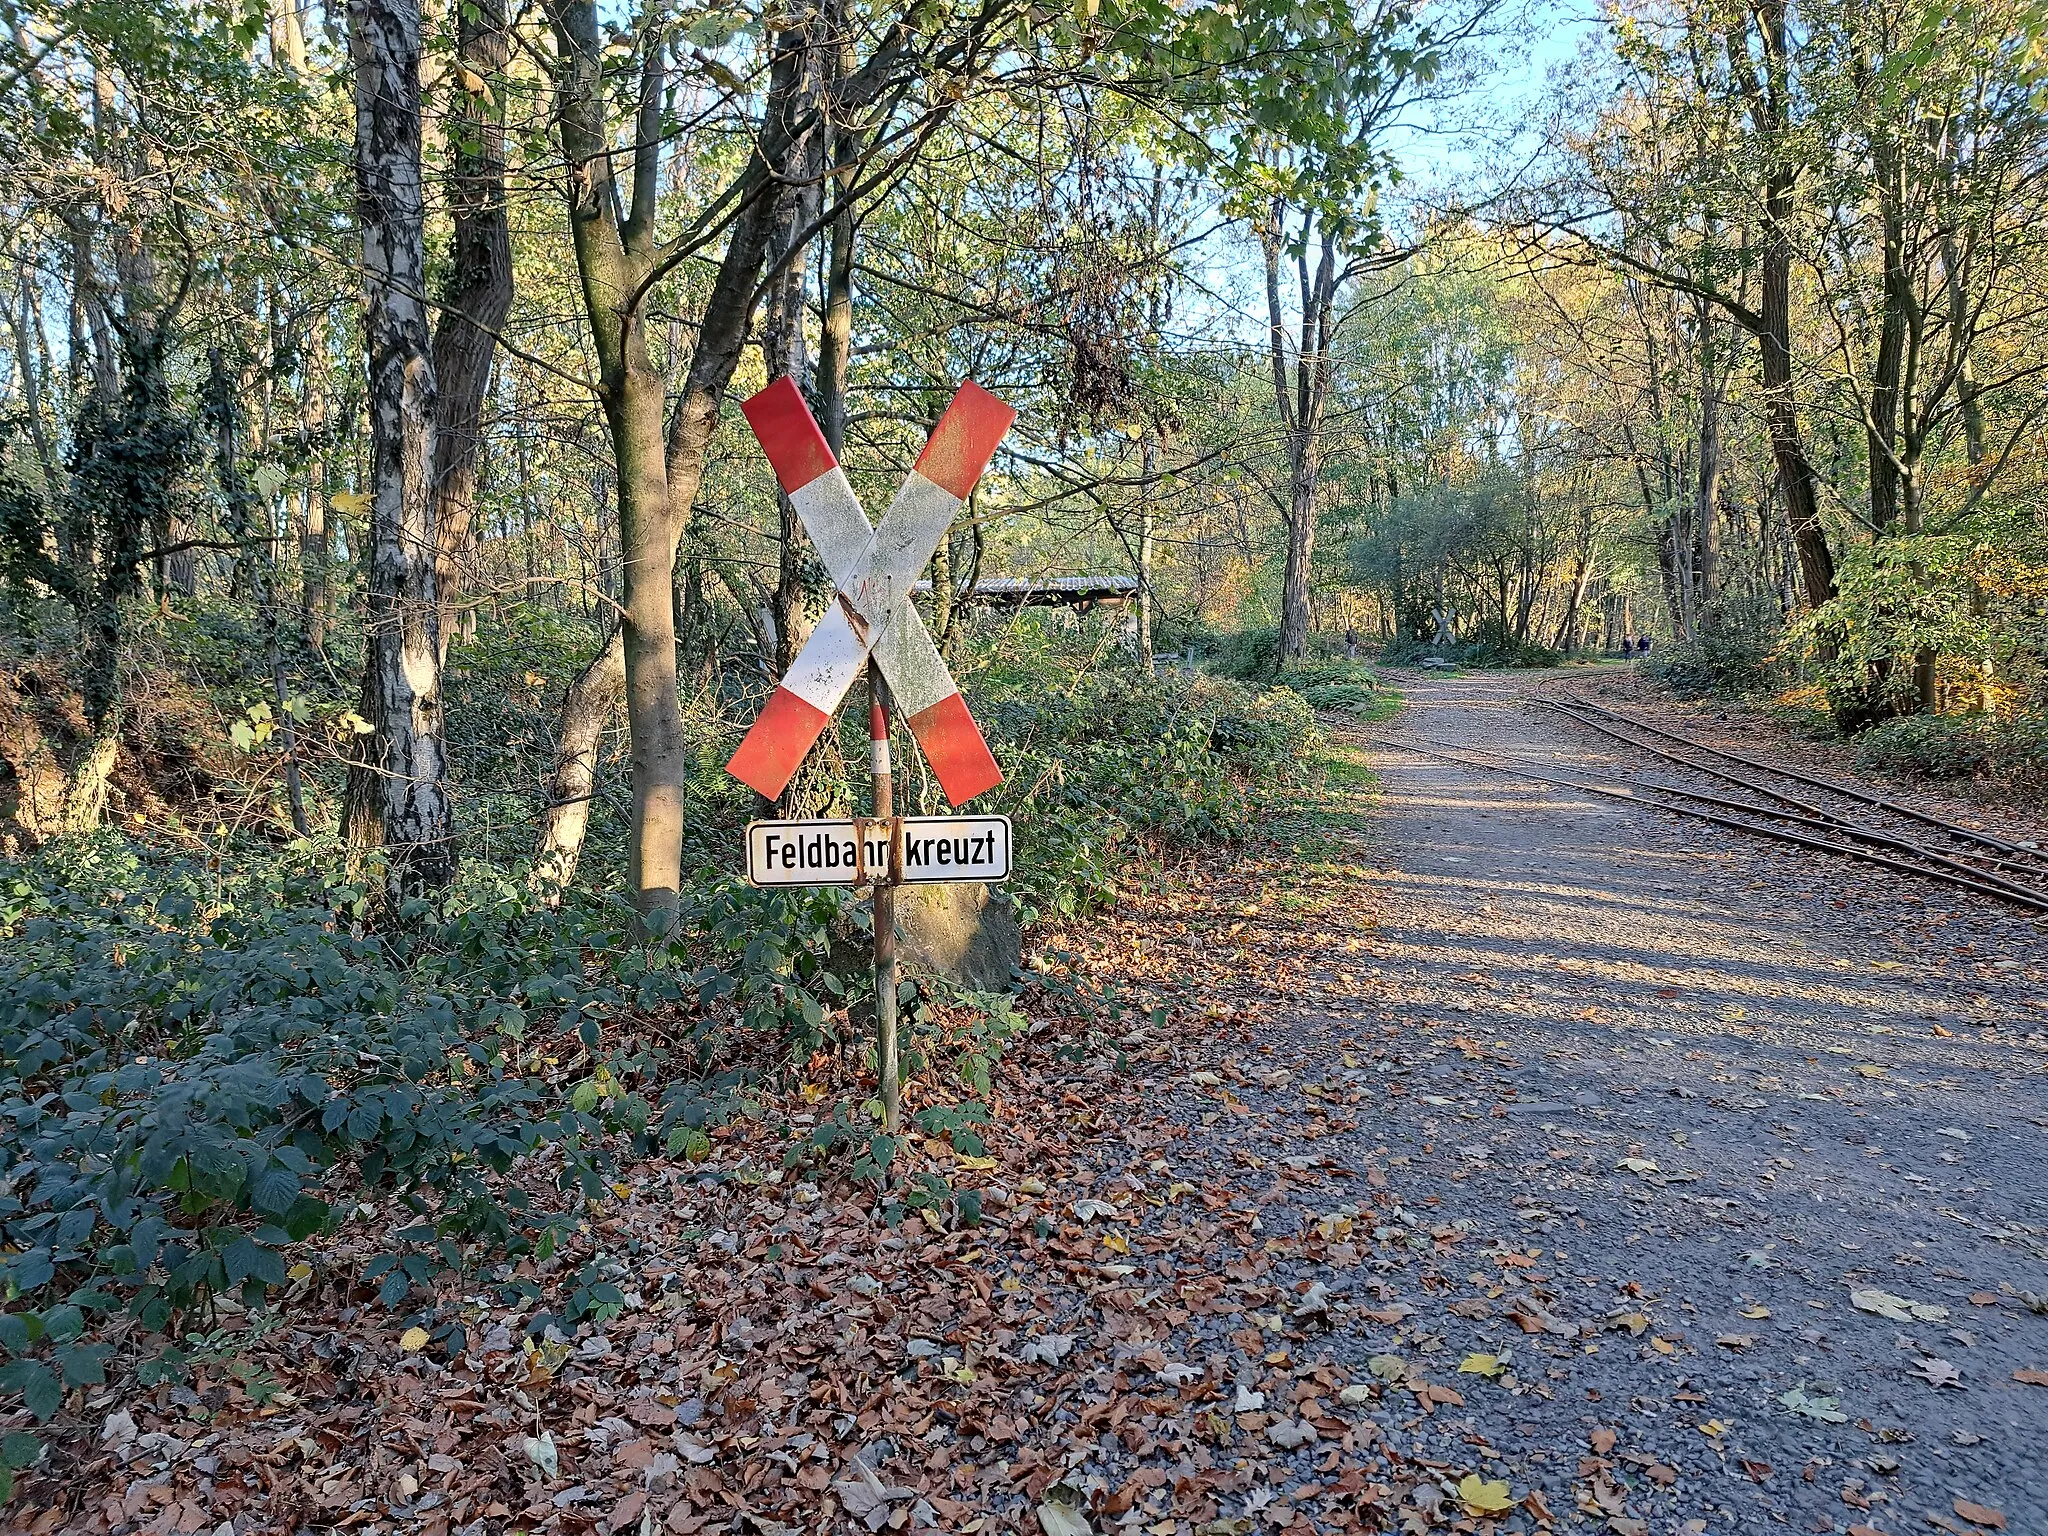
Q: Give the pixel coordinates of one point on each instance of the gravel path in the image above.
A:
(1710, 1089)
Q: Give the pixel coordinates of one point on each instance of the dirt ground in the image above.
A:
(1727, 1086)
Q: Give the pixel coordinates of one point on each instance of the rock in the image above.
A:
(965, 932)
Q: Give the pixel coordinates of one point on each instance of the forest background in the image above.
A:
(386, 582)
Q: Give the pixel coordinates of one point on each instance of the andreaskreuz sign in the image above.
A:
(936, 849)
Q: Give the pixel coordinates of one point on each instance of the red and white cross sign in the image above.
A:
(874, 568)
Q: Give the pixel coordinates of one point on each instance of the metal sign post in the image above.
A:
(872, 628)
(884, 902)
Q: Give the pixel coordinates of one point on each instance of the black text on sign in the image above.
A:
(936, 849)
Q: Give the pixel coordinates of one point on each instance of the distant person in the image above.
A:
(1351, 642)
(1643, 646)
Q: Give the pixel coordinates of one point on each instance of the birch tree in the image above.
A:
(399, 790)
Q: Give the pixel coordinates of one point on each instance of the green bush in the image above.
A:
(198, 1071)
(2013, 752)
(1736, 652)
(1242, 653)
(1405, 651)
(1099, 758)
(1351, 698)
(1303, 675)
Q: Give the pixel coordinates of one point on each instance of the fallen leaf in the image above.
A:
(1481, 1497)
(1062, 1520)
(1387, 1367)
(1980, 1514)
(1478, 1364)
(1736, 1340)
(1049, 1349)
(867, 1498)
(413, 1340)
(1936, 1372)
(2033, 1376)
(1637, 1165)
(542, 1454)
(1315, 1302)
(1824, 1409)
(1602, 1440)
(1899, 1309)
(1754, 1311)
(1290, 1435)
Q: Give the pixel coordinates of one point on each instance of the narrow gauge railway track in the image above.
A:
(2002, 852)
(1807, 826)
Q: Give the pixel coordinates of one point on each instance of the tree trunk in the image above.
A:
(314, 547)
(592, 700)
(1299, 400)
(801, 586)
(614, 257)
(1774, 336)
(1145, 616)
(402, 789)
(1301, 548)
(835, 328)
(617, 258)
(1707, 501)
(225, 421)
(477, 299)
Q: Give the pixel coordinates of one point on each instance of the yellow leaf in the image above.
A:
(623, 1191)
(1664, 1346)
(1714, 1427)
(350, 503)
(299, 1271)
(413, 1340)
(1488, 1366)
(1116, 1242)
(975, 1164)
(1481, 1497)
(1754, 1310)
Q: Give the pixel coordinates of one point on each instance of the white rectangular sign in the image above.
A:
(936, 849)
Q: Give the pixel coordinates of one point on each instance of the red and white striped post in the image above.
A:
(887, 1067)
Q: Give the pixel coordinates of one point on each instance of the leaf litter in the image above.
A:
(784, 1351)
